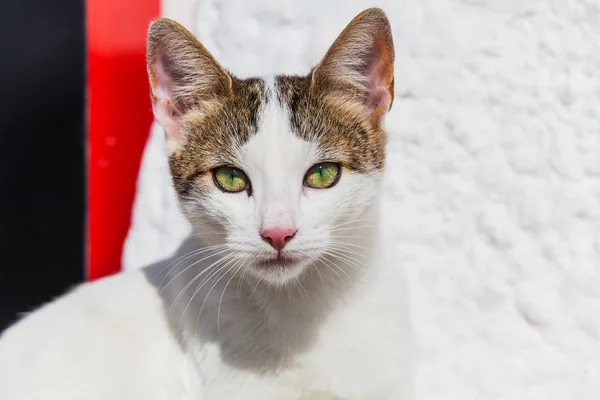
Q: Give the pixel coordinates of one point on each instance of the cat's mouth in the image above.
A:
(279, 261)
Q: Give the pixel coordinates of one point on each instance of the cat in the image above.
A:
(289, 288)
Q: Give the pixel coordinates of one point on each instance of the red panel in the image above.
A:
(119, 119)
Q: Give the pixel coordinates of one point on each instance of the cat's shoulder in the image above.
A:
(118, 296)
(88, 337)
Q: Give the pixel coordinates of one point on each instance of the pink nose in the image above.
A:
(278, 237)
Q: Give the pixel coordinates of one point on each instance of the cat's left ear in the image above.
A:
(358, 69)
(183, 76)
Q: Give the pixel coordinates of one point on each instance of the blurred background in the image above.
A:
(494, 166)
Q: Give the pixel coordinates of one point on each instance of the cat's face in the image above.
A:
(275, 172)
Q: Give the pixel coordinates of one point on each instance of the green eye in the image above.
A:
(230, 179)
(322, 176)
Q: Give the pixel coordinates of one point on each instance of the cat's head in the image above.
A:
(276, 173)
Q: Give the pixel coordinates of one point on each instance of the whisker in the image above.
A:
(329, 266)
(347, 228)
(256, 286)
(350, 252)
(237, 295)
(208, 294)
(352, 263)
(298, 286)
(227, 259)
(358, 246)
(241, 263)
(319, 272)
(237, 291)
(351, 237)
(195, 251)
(187, 256)
(352, 222)
(191, 282)
(190, 266)
(347, 253)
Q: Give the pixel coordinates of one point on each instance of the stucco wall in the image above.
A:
(495, 153)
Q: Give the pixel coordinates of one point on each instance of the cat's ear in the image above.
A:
(183, 75)
(358, 68)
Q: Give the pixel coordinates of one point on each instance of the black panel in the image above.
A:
(42, 163)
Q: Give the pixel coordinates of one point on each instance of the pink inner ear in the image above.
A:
(168, 117)
(163, 84)
(381, 88)
(165, 112)
(381, 79)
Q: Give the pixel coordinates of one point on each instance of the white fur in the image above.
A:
(212, 325)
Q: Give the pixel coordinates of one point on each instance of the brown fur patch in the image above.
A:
(359, 67)
(340, 130)
(214, 113)
(340, 104)
(197, 77)
(214, 135)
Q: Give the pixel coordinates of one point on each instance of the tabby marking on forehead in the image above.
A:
(336, 126)
(214, 136)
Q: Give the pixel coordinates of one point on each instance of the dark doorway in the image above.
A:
(42, 152)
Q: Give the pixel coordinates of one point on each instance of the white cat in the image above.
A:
(289, 289)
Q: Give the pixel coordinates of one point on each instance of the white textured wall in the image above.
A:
(495, 154)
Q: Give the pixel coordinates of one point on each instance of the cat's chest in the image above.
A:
(361, 354)
(344, 364)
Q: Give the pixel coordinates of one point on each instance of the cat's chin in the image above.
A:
(280, 269)
(280, 262)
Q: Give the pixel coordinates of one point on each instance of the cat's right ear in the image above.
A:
(183, 76)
